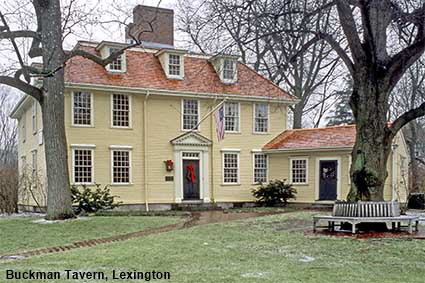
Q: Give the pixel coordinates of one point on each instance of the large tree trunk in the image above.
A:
(59, 204)
(298, 116)
(373, 144)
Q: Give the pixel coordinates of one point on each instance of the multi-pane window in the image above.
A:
(299, 171)
(190, 114)
(23, 127)
(117, 64)
(34, 165)
(261, 118)
(34, 117)
(260, 168)
(82, 108)
(23, 164)
(231, 117)
(120, 110)
(228, 69)
(174, 65)
(120, 166)
(230, 168)
(403, 165)
(83, 166)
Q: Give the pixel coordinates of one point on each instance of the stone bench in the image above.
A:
(367, 212)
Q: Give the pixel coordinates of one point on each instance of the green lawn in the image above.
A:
(23, 234)
(267, 249)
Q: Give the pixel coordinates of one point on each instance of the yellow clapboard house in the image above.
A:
(144, 126)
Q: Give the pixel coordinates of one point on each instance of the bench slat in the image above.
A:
(366, 209)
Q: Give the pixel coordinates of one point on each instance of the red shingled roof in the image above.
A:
(339, 136)
(144, 71)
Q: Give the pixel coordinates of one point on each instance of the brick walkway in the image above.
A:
(196, 218)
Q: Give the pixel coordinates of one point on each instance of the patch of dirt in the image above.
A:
(215, 216)
(420, 235)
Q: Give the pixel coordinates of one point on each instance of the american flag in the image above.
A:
(219, 122)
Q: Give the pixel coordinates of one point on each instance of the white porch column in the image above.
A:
(177, 176)
(205, 174)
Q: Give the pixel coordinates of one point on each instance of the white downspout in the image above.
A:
(145, 146)
(212, 156)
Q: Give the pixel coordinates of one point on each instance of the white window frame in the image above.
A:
(83, 147)
(227, 80)
(223, 153)
(23, 166)
(24, 127)
(182, 115)
(91, 111)
(254, 118)
(306, 170)
(181, 64)
(130, 112)
(403, 165)
(238, 120)
(253, 167)
(34, 165)
(122, 57)
(34, 118)
(349, 168)
(125, 148)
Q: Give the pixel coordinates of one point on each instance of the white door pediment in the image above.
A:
(191, 139)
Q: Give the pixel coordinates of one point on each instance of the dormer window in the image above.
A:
(226, 68)
(117, 64)
(172, 62)
(229, 69)
(174, 65)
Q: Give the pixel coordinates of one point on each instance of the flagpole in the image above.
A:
(207, 115)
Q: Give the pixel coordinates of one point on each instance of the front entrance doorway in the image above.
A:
(328, 179)
(191, 179)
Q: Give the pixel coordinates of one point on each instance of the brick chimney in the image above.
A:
(152, 24)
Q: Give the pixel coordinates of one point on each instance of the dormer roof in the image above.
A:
(144, 71)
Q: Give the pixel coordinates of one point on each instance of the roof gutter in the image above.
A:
(177, 93)
(15, 112)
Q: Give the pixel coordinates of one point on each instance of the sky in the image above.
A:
(111, 32)
(115, 31)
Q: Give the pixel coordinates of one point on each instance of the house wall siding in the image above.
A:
(25, 149)
(279, 164)
(163, 125)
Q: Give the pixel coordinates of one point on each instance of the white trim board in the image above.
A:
(306, 169)
(92, 114)
(174, 93)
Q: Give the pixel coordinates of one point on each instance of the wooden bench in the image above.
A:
(363, 212)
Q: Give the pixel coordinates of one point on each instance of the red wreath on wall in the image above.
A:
(191, 173)
(169, 165)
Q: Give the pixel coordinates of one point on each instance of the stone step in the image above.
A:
(324, 206)
(195, 206)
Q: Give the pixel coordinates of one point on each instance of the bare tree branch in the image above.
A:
(23, 86)
(349, 26)
(97, 59)
(406, 118)
(15, 46)
(333, 43)
(18, 33)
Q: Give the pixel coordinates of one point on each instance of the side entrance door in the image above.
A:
(191, 179)
(328, 179)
